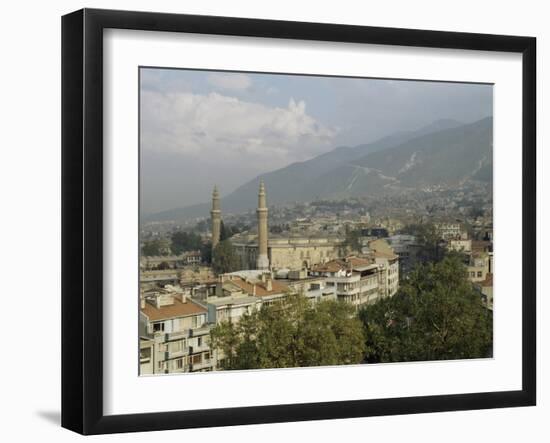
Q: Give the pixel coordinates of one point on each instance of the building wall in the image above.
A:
(479, 268)
(291, 254)
(296, 257)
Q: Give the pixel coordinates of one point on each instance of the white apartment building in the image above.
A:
(356, 280)
(178, 331)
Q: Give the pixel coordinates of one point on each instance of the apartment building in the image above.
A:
(178, 333)
(357, 280)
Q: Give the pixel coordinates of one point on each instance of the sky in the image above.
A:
(203, 127)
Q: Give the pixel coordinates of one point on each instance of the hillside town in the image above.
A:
(351, 251)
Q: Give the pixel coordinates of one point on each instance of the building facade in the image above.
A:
(178, 334)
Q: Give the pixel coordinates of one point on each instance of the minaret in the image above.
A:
(262, 261)
(216, 217)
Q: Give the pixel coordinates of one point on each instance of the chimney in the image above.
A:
(142, 302)
(183, 297)
(254, 289)
(269, 285)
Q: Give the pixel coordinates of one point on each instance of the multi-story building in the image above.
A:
(485, 287)
(179, 331)
(449, 230)
(357, 280)
(407, 249)
(388, 261)
(192, 258)
(158, 278)
(460, 245)
(315, 289)
(479, 266)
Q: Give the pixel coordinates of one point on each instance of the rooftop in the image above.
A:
(260, 288)
(231, 300)
(175, 310)
(355, 263)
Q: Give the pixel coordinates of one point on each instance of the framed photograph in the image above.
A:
(269, 221)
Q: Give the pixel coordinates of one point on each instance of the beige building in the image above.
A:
(388, 261)
(156, 279)
(196, 274)
(449, 230)
(460, 245)
(479, 266)
(292, 252)
(178, 334)
(485, 287)
(357, 280)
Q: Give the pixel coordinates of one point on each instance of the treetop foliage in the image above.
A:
(183, 241)
(224, 258)
(436, 315)
(292, 333)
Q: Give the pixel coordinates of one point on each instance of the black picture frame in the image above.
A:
(82, 218)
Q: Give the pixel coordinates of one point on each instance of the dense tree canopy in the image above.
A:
(183, 241)
(224, 258)
(206, 252)
(436, 315)
(353, 239)
(153, 248)
(427, 238)
(292, 333)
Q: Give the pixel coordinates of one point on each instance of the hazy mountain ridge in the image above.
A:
(445, 151)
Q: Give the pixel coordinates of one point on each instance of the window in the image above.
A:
(179, 363)
(479, 273)
(199, 342)
(158, 327)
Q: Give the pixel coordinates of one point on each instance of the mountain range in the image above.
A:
(444, 152)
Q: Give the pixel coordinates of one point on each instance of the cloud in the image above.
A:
(215, 127)
(230, 81)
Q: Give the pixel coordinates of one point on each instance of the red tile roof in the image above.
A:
(178, 309)
(261, 289)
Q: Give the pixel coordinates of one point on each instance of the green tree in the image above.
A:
(163, 265)
(206, 252)
(152, 248)
(224, 258)
(225, 233)
(185, 241)
(353, 239)
(437, 315)
(292, 333)
(427, 238)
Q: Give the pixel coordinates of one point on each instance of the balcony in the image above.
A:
(186, 333)
(347, 292)
(206, 364)
(202, 330)
(175, 354)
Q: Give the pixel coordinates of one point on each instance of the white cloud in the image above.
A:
(230, 81)
(218, 128)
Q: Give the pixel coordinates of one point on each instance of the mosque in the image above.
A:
(263, 251)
